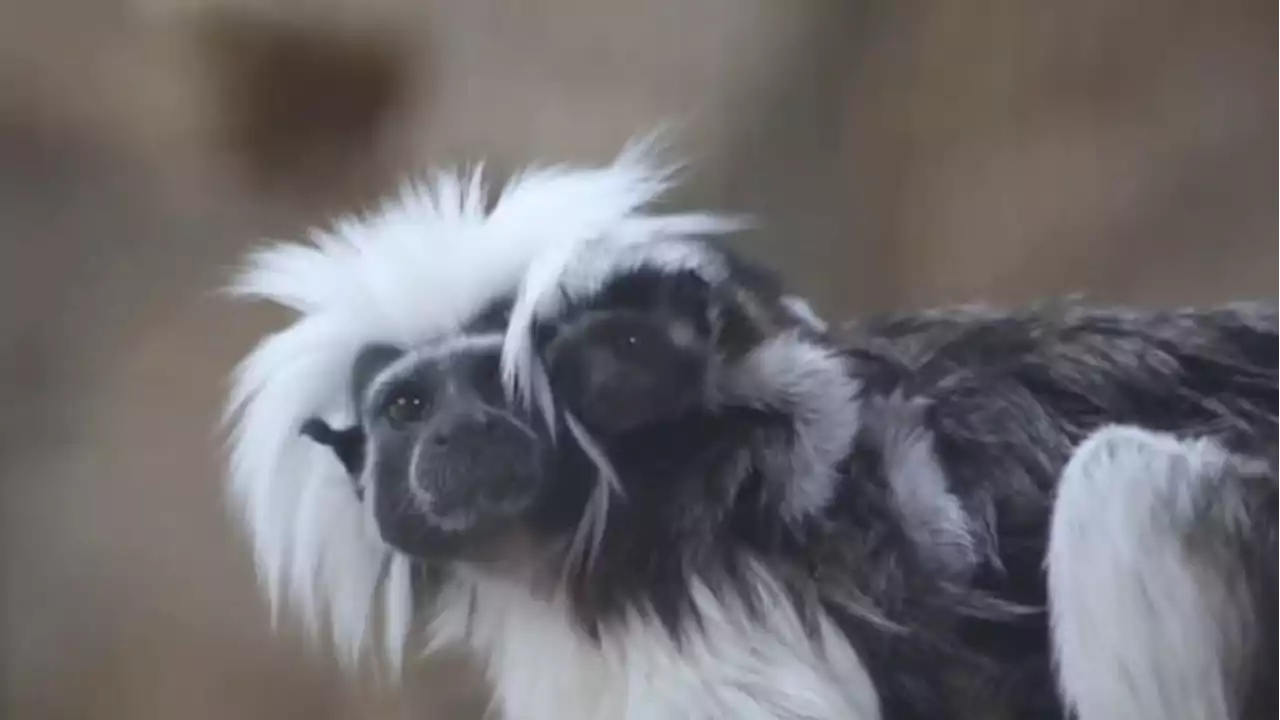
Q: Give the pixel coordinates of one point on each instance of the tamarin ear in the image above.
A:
(347, 444)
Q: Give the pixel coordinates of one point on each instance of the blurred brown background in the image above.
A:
(901, 152)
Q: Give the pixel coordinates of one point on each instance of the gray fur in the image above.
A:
(930, 511)
(1008, 397)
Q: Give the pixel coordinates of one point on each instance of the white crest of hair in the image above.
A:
(1149, 619)
(734, 664)
(814, 385)
(410, 273)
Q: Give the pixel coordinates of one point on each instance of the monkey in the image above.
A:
(348, 444)
(416, 269)
(425, 266)
(979, 513)
(933, 388)
(699, 499)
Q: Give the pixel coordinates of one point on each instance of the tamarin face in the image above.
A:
(445, 465)
(637, 353)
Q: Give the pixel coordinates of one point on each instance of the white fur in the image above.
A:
(801, 310)
(1150, 617)
(815, 386)
(735, 667)
(411, 273)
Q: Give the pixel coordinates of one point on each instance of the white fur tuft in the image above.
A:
(732, 664)
(801, 310)
(412, 272)
(814, 384)
(1148, 615)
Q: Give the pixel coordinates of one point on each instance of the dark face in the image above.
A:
(640, 354)
(448, 469)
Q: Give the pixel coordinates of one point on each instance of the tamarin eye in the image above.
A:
(631, 335)
(632, 344)
(405, 407)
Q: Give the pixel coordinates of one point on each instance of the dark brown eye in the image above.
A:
(405, 407)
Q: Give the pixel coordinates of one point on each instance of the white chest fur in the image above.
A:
(732, 666)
